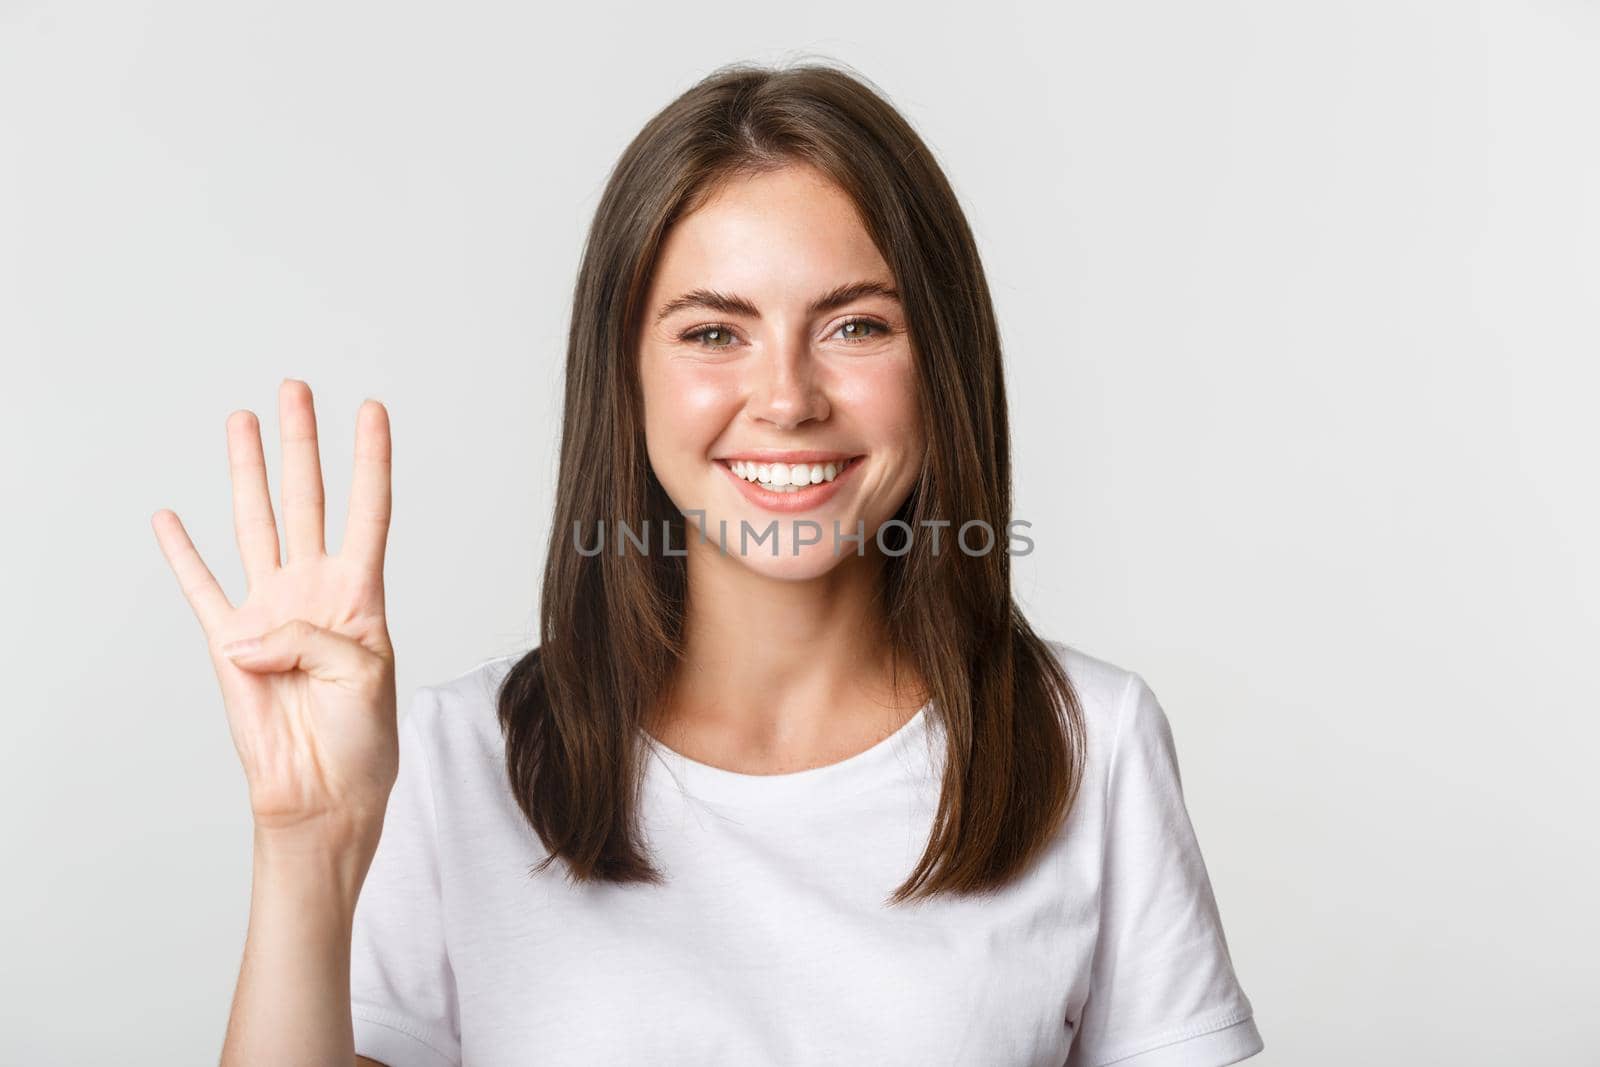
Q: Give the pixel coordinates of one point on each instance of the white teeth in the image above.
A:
(783, 478)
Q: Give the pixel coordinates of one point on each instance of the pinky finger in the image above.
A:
(199, 585)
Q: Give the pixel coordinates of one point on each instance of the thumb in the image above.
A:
(300, 645)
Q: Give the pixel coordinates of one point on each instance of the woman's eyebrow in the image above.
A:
(733, 304)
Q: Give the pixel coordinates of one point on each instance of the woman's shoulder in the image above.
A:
(1102, 687)
(1110, 697)
(459, 715)
(1094, 677)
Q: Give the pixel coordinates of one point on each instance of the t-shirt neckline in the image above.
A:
(840, 778)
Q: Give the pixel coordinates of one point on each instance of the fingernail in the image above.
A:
(244, 644)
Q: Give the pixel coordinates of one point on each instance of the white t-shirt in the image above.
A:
(770, 942)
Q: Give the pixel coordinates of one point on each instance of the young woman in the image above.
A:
(788, 778)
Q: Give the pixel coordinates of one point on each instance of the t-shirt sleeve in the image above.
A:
(1162, 990)
(402, 991)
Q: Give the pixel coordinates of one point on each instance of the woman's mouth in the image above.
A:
(788, 477)
(789, 487)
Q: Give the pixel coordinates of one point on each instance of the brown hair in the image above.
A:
(572, 708)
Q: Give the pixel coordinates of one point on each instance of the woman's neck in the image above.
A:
(783, 667)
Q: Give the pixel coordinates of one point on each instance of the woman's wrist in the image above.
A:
(316, 868)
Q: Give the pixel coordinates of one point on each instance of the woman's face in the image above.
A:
(774, 357)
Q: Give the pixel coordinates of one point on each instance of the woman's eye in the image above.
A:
(711, 336)
(858, 330)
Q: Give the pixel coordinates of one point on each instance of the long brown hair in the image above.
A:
(572, 708)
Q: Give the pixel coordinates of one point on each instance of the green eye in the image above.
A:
(711, 336)
(856, 330)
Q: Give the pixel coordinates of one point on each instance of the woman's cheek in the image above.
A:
(702, 394)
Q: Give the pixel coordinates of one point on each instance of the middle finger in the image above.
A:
(302, 471)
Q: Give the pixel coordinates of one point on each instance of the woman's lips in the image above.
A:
(787, 503)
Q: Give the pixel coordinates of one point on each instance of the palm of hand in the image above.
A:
(312, 741)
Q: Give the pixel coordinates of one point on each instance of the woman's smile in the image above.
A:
(789, 482)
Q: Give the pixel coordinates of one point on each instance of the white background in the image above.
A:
(1300, 310)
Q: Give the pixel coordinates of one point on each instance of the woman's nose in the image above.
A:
(787, 390)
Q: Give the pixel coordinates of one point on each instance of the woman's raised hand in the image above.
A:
(311, 707)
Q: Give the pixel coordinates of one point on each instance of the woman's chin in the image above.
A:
(776, 548)
(813, 561)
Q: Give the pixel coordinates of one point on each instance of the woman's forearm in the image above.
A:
(292, 1002)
